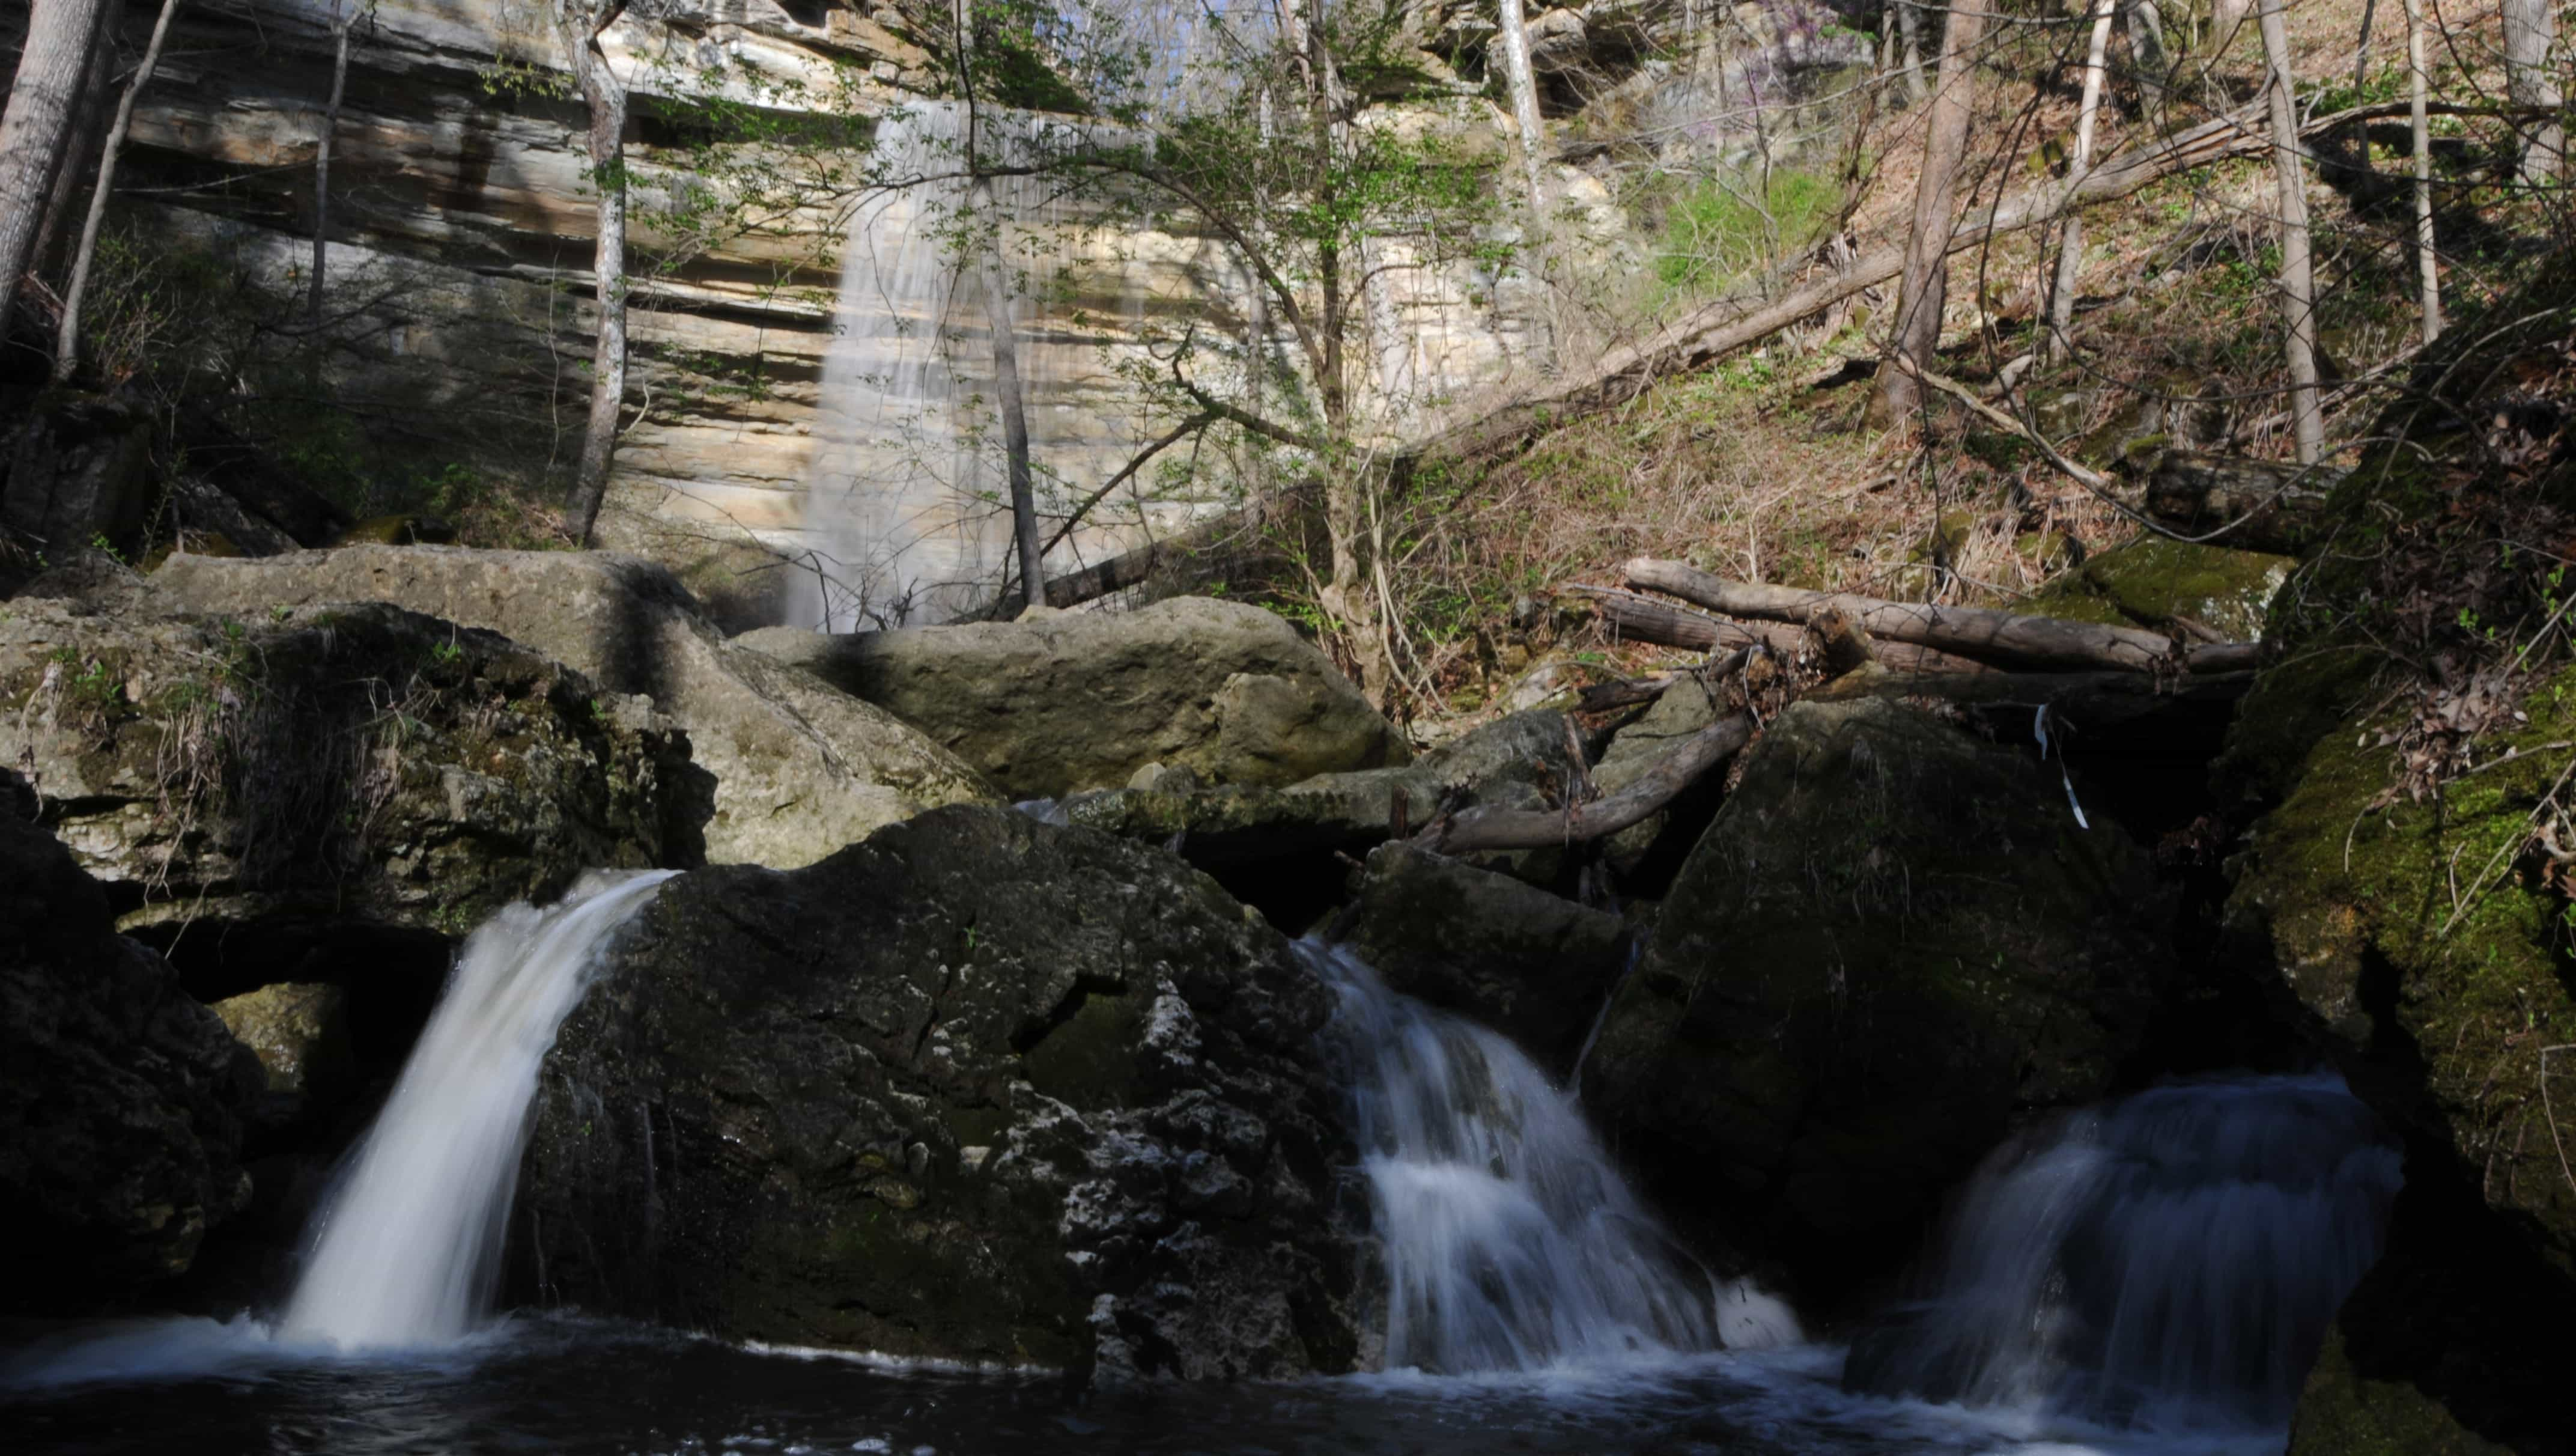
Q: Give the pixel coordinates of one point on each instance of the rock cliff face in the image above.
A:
(976, 1088)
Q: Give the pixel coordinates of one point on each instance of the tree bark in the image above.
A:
(67, 330)
(2000, 637)
(1522, 83)
(1004, 329)
(2428, 267)
(1480, 831)
(343, 20)
(2261, 505)
(78, 167)
(1643, 619)
(36, 124)
(605, 97)
(2070, 244)
(2530, 30)
(1909, 22)
(2298, 286)
(1923, 292)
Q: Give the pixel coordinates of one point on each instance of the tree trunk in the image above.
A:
(2530, 30)
(2226, 19)
(998, 321)
(1909, 22)
(2428, 267)
(35, 125)
(343, 21)
(1522, 84)
(2070, 247)
(67, 332)
(78, 164)
(1924, 290)
(605, 97)
(2298, 288)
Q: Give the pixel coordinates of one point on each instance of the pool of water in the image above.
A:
(569, 1385)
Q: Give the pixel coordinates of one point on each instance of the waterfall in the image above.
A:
(2170, 1259)
(900, 517)
(406, 1249)
(1510, 1240)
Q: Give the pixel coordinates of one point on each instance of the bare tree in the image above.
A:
(35, 125)
(2428, 266)
(1522, 83)
(581, 23)
(2298, 287)
(67, 331)
(1909, 23)
(344, 18)
(984, 236)
(2530, 30)
(2070, 246)
(1925, 286)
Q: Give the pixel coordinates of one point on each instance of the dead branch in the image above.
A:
(1479, 831)
(1644, 619)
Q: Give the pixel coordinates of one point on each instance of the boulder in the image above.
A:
(121, 1099)
(800, 770)
(977, 1088)
(1684, 709)
(2156, 582)
(1893, 941)
(1059, 703)
(1529, 964)
(304, 767)
(300, 1033)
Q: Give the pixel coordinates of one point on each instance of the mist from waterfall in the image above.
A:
(2169, 1260)
(1510, 1240)
(407, 1249)
(906, 515)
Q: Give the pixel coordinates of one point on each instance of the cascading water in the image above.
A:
(900, 521)
(407, 1248)
(1510, 1240)
(2170, 1260)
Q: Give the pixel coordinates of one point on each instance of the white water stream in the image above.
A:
(407, 1249)
(1511, 1242)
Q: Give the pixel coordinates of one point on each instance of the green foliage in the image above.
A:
(1719, 231)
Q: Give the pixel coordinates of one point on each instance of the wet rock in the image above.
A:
(1529, 964)
(800, 769)
(121, 1099)
(1893, 941)
(284, 771)
(1052, 705)
(300, 1033)
(977, 1088)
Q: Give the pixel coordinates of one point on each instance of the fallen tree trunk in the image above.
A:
(1480, 831)
(2089, 699)
(2253, 505)
(2004, 638)
(1130, 568)
(1723, 327)
(1644, 619)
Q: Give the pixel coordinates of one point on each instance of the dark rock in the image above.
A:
(121, 1099)
(300, 1033)
(1527, 963)
(81, 474)
(1893, 942)
(978, 1088)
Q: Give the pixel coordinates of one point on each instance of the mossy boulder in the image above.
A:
(978, 1088)
(2155, 581)
(1893, 942)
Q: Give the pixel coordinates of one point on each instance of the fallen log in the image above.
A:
(1480, 831)
(1721, 328)
(2003, 638)
(1643, 619)
(2252, 505)
(2104, 700)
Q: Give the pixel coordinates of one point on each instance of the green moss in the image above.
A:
(2155, 579)
(2342, 1413)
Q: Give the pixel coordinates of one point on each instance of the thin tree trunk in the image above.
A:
(2070, 247)
(2226, 19)
(35, 125)
(997, 320)
(2530, 30)
(343, 20)
(1909, 22)
(1924, 290)
(1522, 83)
(67, 332)
(2428, 267)
(605, 96)
(2298, 288)
(77, 165)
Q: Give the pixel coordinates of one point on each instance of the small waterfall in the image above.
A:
(407, 1247)
(2169, 1260)
(1510, 1240)
(900, 519)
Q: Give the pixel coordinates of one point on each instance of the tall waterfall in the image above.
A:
(2170, 1259)
(408, 1247)
(905, 512)
(1510, 1240)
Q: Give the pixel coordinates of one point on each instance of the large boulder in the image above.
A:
(1508, 955)
(1069, 701)
(800, 769)
(978, 1088)
(300, 768)
(1894, 941)
(121, 1099)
